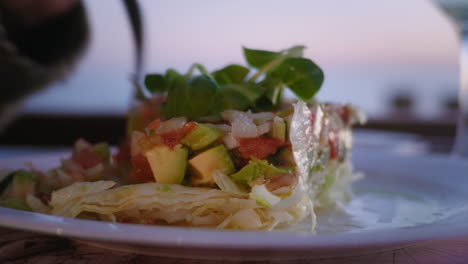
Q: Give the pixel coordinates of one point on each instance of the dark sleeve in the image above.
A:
(32, 58)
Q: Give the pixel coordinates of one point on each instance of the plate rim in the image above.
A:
(212, 238)
(218, 239)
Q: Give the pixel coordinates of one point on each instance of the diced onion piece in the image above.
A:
(230, 141)
(172, 124)
(262, 117)
(244, 124)
(263, 129)
(278, 119)
(244, 128)
(135, 148)
(231, 115)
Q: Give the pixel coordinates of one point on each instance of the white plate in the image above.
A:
(402, 200)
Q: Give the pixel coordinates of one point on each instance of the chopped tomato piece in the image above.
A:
(123, 153)
(87, 158)
(154, 124)
(141, 169)
(173, 138)
(312, 119)
(259, 148)
(189, 126)
(334, 147)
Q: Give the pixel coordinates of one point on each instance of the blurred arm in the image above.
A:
(34, 12)
(40, 41)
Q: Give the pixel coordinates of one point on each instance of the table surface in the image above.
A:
(17, 246)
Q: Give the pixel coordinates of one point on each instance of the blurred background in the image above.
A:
(373, 52)
(396, 59)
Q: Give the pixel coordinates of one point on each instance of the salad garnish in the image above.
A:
(219, 149)
(258, 86)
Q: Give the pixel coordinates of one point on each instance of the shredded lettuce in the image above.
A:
(263, 197)
(226, 184)
(78, 190)
(182, 205)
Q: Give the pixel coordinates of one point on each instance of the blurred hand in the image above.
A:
(31, 12)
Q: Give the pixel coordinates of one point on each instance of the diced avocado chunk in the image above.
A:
(285, 112)
(278, 130)
(102, 149)
(15, 203)
(201, 136)
(23, 176)
(22, 183)
(204, 164)
(254, 169)
(168, 164)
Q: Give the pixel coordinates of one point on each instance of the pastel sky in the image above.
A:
(358, 43)
(335, 31)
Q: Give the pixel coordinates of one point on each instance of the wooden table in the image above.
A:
(25, 247)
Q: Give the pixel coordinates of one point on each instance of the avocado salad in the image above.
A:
(223, 149)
